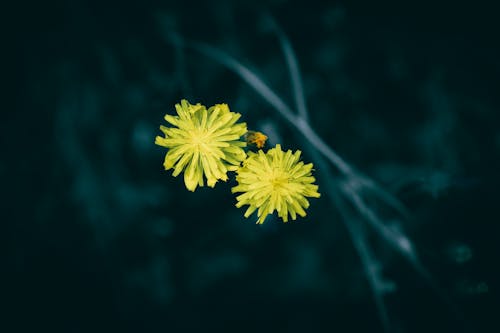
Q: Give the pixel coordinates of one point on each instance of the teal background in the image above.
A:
(100, 238)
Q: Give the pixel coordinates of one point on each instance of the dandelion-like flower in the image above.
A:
(275, 181)
(203, 142)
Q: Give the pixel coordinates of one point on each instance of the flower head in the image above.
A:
(275, 181)
(203, 143)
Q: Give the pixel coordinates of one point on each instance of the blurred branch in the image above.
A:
(293, 66)
(354, 187)
(181, 71)
(302, 125)
(263, 89)
(358, 237)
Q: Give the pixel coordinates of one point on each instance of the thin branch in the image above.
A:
(181, 71)
(350, 189)
(371, 272)
(293, 67)
(281, 107)
(397, 240)
(357, 235)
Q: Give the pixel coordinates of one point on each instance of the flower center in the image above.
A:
(199, 138)
(279, 180)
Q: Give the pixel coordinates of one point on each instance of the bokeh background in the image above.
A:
(101, 238)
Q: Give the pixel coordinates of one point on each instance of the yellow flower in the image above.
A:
(275, 181)
(203, 142)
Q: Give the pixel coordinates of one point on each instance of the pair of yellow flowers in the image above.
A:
(206, 143)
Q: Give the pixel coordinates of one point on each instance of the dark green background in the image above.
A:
(100, 238)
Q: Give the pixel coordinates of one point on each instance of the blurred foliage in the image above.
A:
(100, 237)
